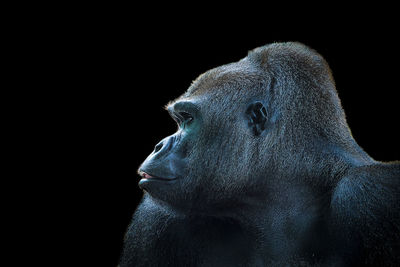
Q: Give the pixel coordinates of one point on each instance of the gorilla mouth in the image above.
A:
(148, 181)
(146, 176)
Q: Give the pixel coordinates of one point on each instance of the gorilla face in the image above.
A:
(213, 159)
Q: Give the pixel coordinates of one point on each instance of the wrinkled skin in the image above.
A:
(264, 171)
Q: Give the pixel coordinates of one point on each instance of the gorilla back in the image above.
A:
(263, 171)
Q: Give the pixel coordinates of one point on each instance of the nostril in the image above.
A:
(158, 147)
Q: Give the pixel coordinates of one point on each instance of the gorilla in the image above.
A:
(263, 171)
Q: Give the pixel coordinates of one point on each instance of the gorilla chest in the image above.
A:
(210, 242)
(157, 238)
(203, 242)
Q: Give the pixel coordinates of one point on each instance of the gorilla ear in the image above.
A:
(256, 115)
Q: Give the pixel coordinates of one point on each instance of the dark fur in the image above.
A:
(268, 174)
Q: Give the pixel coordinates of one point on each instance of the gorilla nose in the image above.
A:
(158, 147)
(164, 146)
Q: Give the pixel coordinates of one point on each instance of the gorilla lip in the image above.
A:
(148, 179)
(146, 176)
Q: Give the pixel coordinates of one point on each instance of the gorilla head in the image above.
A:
(249, 128)
(264, 171)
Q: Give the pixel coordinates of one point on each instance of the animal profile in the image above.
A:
(264, 171)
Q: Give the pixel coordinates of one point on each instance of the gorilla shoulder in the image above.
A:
(366, 214)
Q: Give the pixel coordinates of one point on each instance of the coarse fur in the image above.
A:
(264, 171)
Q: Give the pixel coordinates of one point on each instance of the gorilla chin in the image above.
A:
(264, 171)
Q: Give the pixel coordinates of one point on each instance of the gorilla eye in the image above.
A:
(183, 112)
(185, 117)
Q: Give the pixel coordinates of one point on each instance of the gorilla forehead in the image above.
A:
(230, 79)
(293, 61)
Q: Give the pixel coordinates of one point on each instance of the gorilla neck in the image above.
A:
(291, 217)
(289, 222)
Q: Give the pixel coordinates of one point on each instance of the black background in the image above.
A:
(124, 73)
